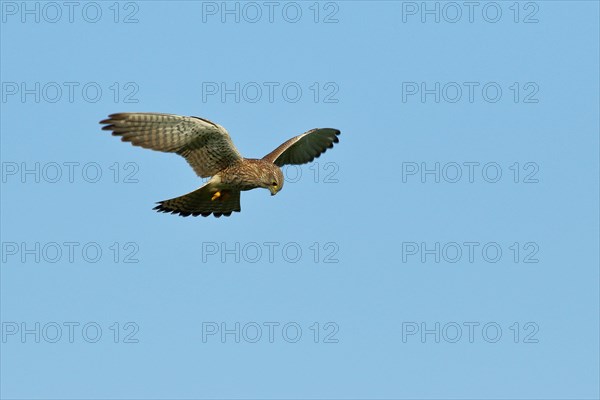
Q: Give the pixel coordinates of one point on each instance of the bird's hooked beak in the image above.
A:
(273, 190)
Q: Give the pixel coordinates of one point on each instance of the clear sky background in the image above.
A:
(446, 248)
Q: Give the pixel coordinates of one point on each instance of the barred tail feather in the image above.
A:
(200, 202)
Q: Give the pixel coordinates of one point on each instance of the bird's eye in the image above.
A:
(274, 183)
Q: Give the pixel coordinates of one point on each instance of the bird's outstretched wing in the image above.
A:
(205, 145)
(304, 148)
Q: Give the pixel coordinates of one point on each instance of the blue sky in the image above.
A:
(446, 248)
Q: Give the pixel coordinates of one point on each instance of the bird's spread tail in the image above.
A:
(204, 201)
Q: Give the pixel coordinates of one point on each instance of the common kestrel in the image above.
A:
(208, 149)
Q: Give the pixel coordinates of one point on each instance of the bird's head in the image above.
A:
(273, 179)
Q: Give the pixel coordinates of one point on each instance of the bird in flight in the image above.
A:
(209, 150)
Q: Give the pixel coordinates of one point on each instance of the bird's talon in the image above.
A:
(216, 196)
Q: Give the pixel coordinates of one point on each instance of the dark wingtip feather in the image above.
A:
(114, 117)
(118, 116)
(337, 132)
